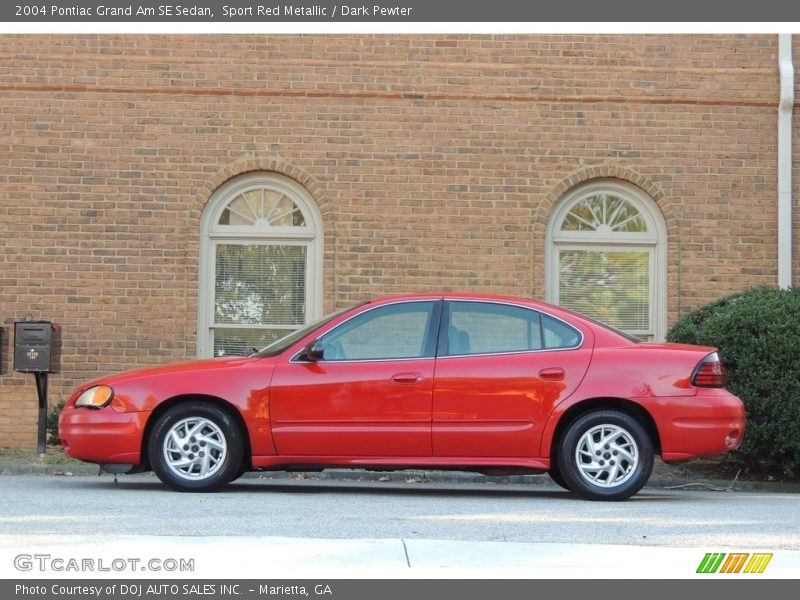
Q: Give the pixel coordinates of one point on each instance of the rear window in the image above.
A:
(476, 327)
(619, 332)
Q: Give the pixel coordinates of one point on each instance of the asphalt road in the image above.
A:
(441, 524)
(140, 505)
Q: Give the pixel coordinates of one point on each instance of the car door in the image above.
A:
(500, 369)
(372, 392)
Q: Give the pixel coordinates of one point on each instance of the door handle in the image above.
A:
(407, 378)
(552, 374)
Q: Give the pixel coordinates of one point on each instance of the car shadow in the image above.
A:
(397, 489)
(255, 485)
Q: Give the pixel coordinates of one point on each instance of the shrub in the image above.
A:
(52, 423)
(758, 335)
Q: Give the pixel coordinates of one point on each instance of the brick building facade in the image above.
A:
(431, 162)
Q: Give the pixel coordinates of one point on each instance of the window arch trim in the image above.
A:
(656, 229)
(260, 181)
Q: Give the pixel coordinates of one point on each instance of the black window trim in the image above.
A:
(445, 322)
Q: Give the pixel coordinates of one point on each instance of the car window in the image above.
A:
(392, 331)
(558, 334)
(488, 328)
(292, 338)
(484, 328)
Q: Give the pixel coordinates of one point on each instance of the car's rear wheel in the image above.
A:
(605, 455)
(195, 447)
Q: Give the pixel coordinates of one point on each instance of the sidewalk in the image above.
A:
(232, 557)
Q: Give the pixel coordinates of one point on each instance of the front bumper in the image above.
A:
(102, 436)
(710, 423)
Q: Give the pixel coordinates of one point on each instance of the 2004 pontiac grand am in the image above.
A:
(483, 383)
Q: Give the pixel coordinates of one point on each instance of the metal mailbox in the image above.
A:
(37, 347)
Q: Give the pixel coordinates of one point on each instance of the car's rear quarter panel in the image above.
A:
(657, 377)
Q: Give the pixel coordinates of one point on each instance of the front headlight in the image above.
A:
(95, 397)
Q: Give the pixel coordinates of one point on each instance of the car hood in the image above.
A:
(202, 365)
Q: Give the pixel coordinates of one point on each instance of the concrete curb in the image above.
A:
(663, 477)
(25, 467)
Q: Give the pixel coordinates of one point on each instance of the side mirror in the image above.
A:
(314, 351)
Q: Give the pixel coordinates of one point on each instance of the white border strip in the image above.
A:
(504, 28)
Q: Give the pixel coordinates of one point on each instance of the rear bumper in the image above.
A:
(711, 422)
(102, 436)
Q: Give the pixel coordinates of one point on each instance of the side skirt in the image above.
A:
(489, 466)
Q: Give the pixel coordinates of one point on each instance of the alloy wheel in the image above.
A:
(195, 448)
(606, 455)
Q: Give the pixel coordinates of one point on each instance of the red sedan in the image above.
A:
(481, 383)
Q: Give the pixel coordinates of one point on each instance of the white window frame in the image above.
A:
(653, 241)
(213, 234)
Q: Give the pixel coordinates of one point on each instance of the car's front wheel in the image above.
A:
(605, 455)
(557, 477)
(195, 447)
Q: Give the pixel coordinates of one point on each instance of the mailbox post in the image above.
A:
(37, 350)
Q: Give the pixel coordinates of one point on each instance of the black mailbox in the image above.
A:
(37, 347)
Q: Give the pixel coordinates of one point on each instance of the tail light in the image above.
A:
(709, 372)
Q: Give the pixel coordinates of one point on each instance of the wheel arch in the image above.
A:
(220, 403)
(635, 410)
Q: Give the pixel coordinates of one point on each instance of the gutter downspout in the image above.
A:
(786, 70)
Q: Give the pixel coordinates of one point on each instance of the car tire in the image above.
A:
(195, 447)
(243, 468)
(557, 478)
(624, 462)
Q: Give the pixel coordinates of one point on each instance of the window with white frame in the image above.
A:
(606, 257)
(260, 264)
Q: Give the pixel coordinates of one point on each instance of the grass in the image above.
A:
(54, 455)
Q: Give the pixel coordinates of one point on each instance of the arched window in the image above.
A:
(606, 257)
(260, 264)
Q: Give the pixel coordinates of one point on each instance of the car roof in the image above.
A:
(454, 296)
(472, 296)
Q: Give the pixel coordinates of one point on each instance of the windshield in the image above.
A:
(286, 341)
(628, 336)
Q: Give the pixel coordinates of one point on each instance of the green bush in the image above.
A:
(758, 335)
(52, 423)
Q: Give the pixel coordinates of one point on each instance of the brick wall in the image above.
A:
(436, 161)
